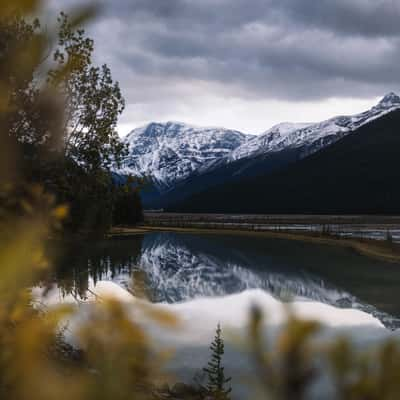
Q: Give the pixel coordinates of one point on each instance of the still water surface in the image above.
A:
(178, 267)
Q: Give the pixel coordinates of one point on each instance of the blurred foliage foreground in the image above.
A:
(117, 361)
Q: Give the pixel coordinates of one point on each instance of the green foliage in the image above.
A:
(65, 145)
(215, 371)
(93, 100)
(128, 207)
(23, 106)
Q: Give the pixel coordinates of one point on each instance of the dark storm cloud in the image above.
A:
(365, 17)
(282, 49)
(360, 17)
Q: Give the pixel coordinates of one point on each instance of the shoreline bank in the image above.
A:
(377, 249)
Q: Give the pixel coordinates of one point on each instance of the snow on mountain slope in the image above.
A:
(311, 136)
(171, 151)
(264, 142)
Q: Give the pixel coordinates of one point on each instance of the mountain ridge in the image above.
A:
(356, 175)
(169, 152)
(300, 134)
(181, 159)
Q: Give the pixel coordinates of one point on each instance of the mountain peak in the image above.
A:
(170, 151)
(390, 98)
(157, 129)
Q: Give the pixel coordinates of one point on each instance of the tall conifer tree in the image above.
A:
(217, 382)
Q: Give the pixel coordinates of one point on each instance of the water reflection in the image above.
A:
(179, 267)
(184, 267)
(82, 264)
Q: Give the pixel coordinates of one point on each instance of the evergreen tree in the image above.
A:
(127, 203)
(217, 381)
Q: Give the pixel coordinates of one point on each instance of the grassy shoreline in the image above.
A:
(380, 250)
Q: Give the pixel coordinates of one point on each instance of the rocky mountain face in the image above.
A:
(169, 152)
(183, 158)
(310, 136)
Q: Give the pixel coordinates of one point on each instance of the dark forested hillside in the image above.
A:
(223, 174)
(358, 174)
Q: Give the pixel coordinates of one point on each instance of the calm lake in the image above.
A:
(179, 267)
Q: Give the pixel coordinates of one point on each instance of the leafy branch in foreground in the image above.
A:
(120, 363)
(93, 100)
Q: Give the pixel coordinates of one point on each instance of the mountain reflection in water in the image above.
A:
(179, 267)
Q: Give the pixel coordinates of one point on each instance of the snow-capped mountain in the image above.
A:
(266, 141)
(313, 136)
(169, 152)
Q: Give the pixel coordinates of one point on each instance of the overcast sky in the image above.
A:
(247, 64)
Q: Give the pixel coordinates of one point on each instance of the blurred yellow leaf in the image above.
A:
(60, 212)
